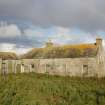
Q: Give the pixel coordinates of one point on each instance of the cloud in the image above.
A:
(30, 33)
(61, 35)
(69, 36)
(86, 15)
(62, 32)
(30, 23)
(9, 30)
(10, 47)
(6, 47)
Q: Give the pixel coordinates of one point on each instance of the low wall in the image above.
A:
(66, 66)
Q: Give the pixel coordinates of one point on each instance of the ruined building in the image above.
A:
(84, 60)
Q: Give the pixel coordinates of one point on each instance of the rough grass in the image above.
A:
(38, 89)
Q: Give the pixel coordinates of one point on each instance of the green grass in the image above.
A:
(38, 89)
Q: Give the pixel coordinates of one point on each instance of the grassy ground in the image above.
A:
(38, 89)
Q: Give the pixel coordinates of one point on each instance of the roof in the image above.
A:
(65, 51)
(82, 46)
(8, 56)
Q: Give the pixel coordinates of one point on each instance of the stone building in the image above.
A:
(92, 64)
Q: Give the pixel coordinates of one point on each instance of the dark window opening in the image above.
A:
(32, 65)
(85, 66)
(85, 70)
(3, 63)
(48, 65)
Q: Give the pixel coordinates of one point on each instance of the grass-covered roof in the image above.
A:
(8, 56)
(66, 51)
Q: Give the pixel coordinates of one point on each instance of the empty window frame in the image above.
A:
(85, 70)
(32, 66)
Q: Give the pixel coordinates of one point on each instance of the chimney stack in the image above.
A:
(99, 42)
(49, 44)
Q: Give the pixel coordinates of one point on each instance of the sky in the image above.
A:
(27, 24)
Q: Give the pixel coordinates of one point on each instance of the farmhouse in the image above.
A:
(84, 60)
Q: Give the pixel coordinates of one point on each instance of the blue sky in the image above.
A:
(25, 24)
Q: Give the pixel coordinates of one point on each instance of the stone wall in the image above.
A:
(9, 66)
(65, 67)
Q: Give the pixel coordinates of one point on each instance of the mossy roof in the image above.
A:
(8, 56)
(79, 50)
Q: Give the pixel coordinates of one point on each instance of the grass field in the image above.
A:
(38, 89)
